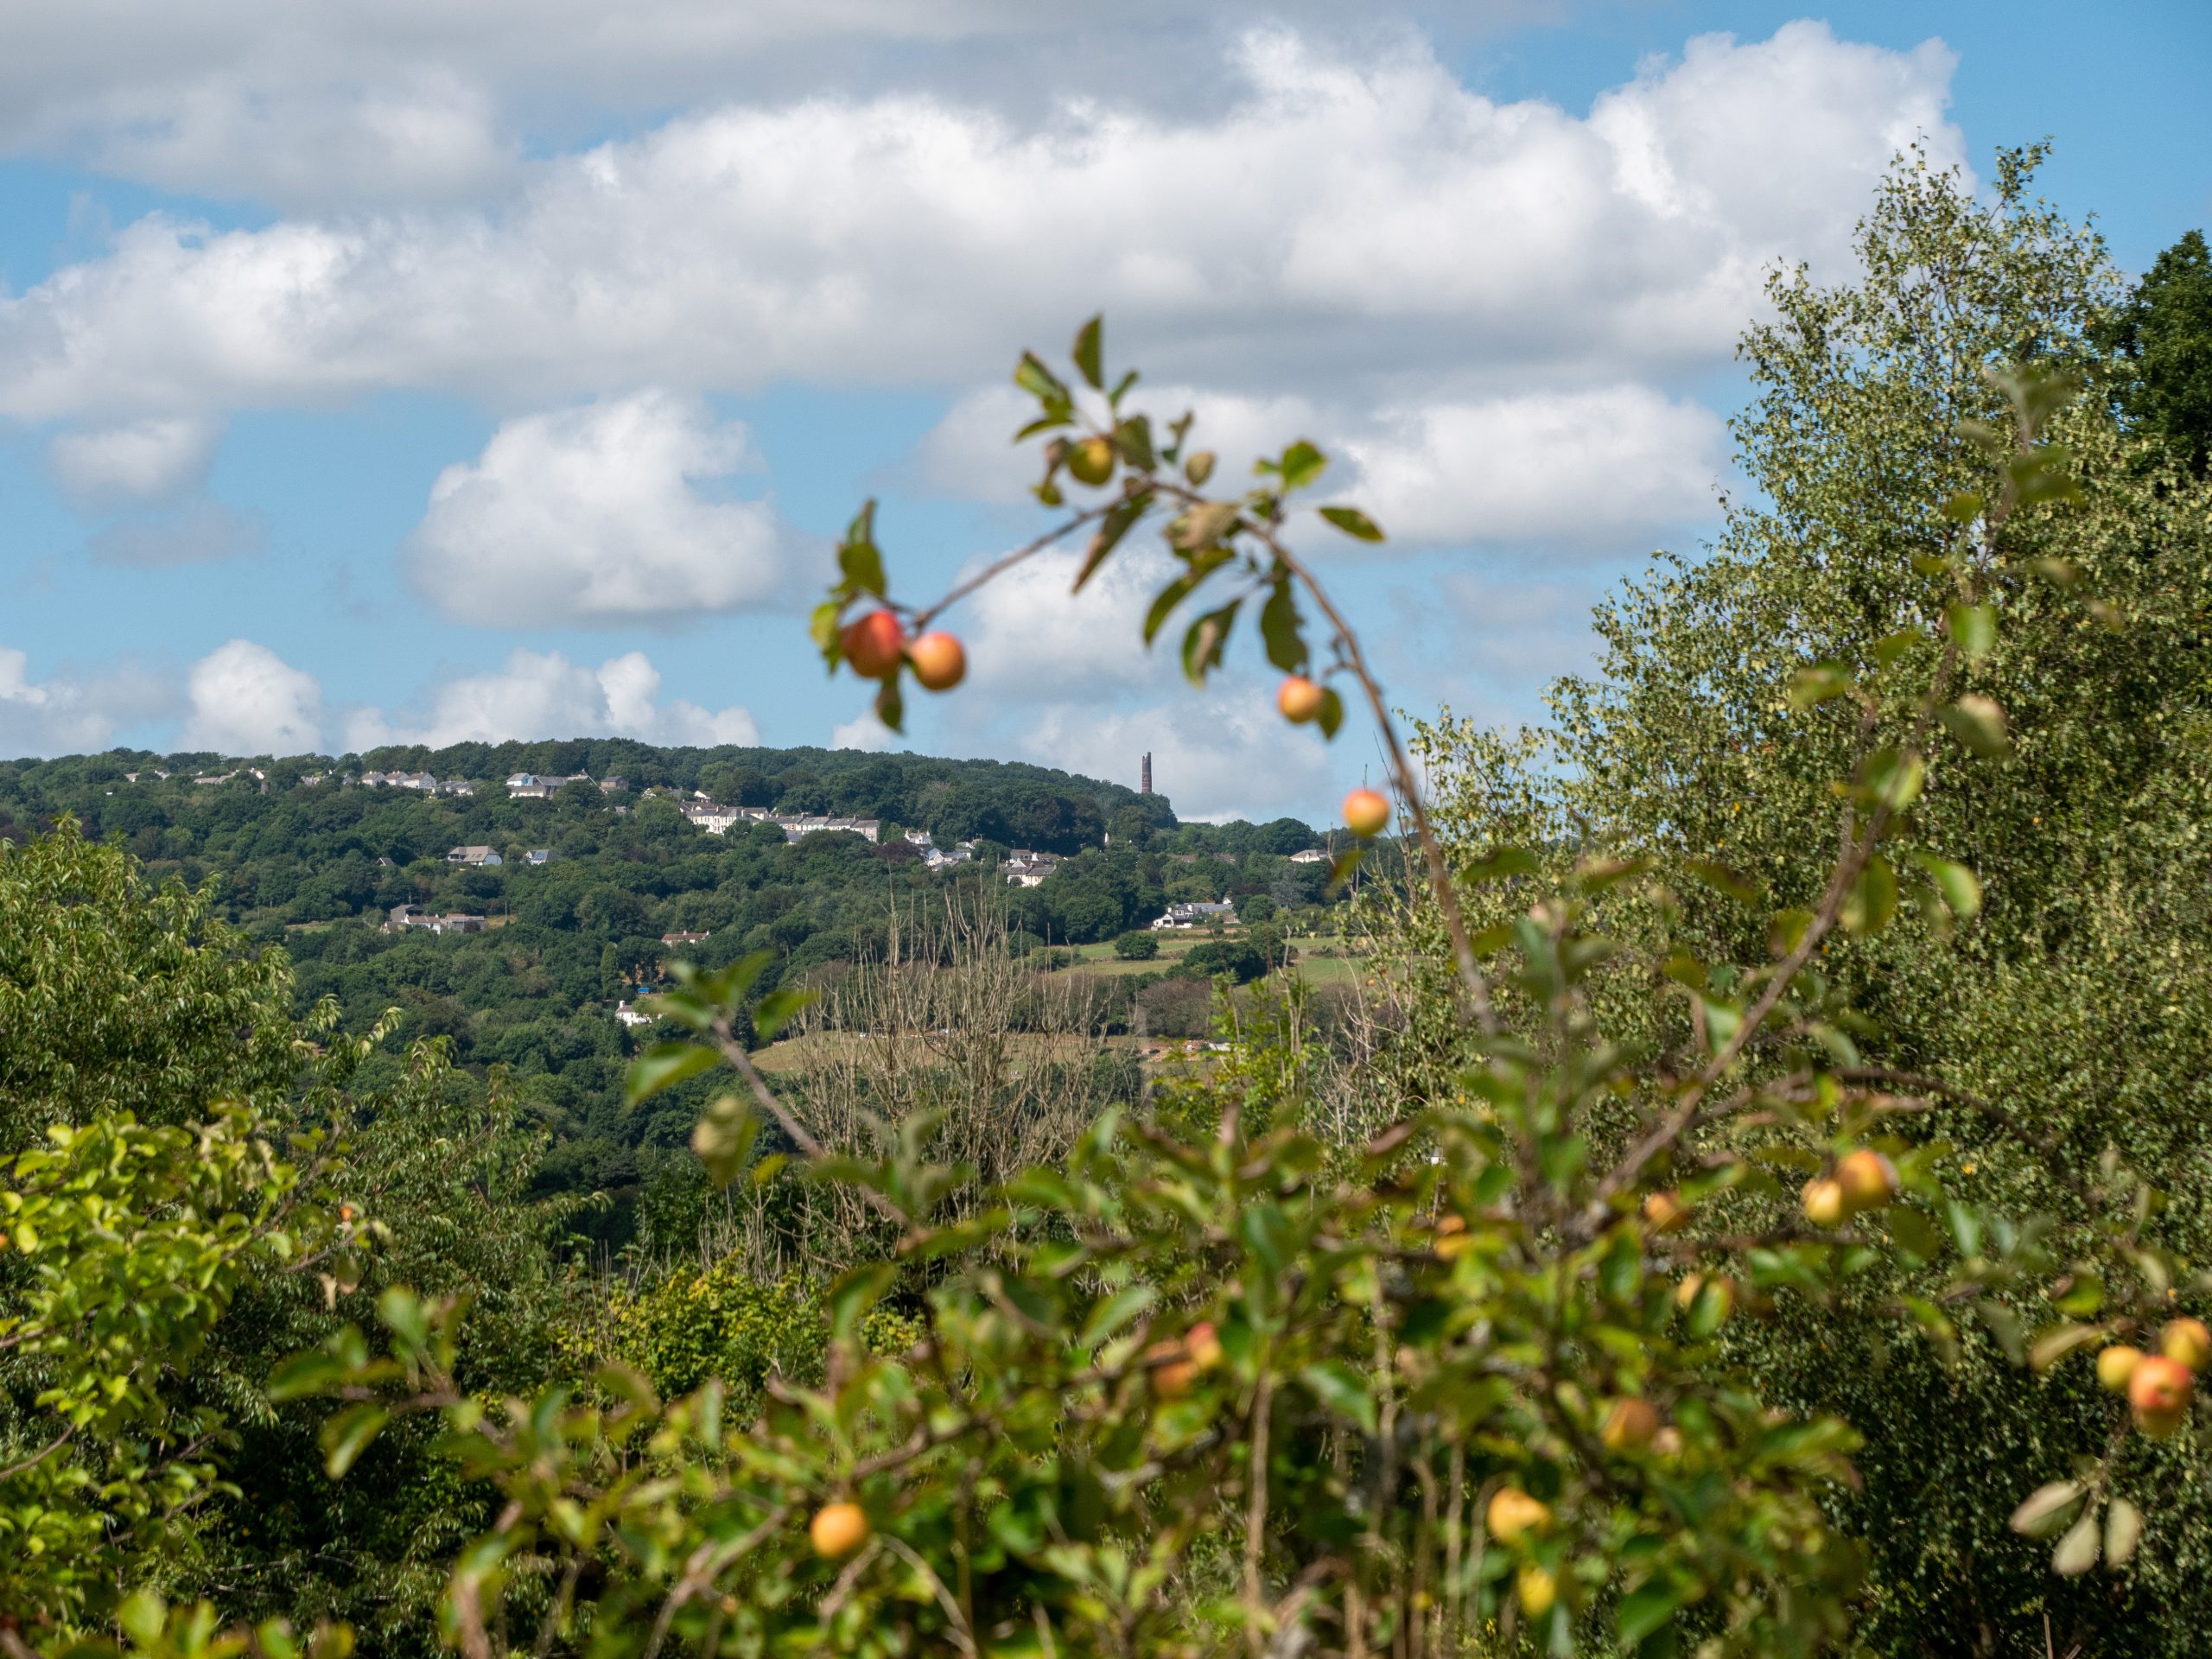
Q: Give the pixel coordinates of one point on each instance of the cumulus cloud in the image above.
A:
(1592, 469)
(1227, 755)
(1325, 212)
(136, 461)
(361, 100)
(543, 694)
(597, 514)
(67, 714)
(864, 731)
(247, 700)
(1029, 638)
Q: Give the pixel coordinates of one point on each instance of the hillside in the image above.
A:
(526, 965)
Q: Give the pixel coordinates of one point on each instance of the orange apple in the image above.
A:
(1366, 812)
(2159, 1390)
(1298, 698)
(1513, 1512)
(1535, 1588)
(838, 1529)
(1630, 1425)
(1665, 1210)
(874, 644)
(2116, 1364)
(2186, 1341)
(1825, 1204)
(1203, 1343)
(1868, 1180)
(939, 660)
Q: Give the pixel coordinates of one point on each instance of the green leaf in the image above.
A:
(1723, 879)
(1872, 899)
(1205, 640)
(862, 565)
(1039, 382)
(2054, 1344)
(1979, 724)
(1343, 1390)
(1199, 467)
(2044, 1509)
(1086, 353)
(1300, 465)
(1117, 523)
(1281, 629)
(778, 1008)
(1353, 522)
(1895, 778)
(1961, 889)
(346, 1435)
(310, 1373)
(2123, 1531)
(1816, 684)
(2004, 1324)
(851, 1297)
(665, 1065)
(723, 1137)
(1973, 628)
(1114, 1312)
(1135, 435)
(891, 704)
(1332, 712)
(1646, 1608)
(1913, 1232)
(1203, 525)
(824, 628)
(2077, 1551)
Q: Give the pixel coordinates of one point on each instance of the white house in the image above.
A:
(1196, 915)
(630, 1016)
(477, 858)
(1309, 855)
(1024, 868)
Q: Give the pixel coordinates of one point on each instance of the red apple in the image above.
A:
(874, 644)
(2159, 1390)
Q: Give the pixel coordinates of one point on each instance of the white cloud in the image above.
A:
(65, 714)
(388, 100)
(864, 731)
(539, 695)
(1598, 469)
(138, 461)
(1363, 215)
(1222, 754)
(1595, 469)
(1030, 638)
(247, 700)
(595, 514)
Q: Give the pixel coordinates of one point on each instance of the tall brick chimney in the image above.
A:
(1144, 776)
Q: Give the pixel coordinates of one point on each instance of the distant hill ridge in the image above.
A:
(1011, 802)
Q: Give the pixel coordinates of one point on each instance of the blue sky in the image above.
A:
(389, 373)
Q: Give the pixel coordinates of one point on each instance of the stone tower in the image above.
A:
(1144, 776)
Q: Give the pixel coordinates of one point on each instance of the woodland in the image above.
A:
(1756, 1204)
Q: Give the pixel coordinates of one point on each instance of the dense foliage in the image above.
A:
(319, 866)
(1734, 1227)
